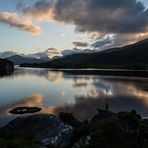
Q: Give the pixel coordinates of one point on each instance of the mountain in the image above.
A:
(44, 55)
(38, 55)
(133, 56)
(17, 60)
(6, 54)
(47, 55)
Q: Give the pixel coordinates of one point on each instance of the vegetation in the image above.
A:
(126, 129)
(6, 67)
(9, 139)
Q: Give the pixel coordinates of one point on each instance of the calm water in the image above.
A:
(58, 92)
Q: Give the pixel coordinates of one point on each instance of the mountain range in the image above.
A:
(17, 60)
(134, 56)
(38, 57)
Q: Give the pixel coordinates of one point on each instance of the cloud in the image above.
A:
(8, 54)
(80, 44)
(41, 10)
(52, 52)
(123, 18)
(24, 24)
(107, 40)
(109, 16)
(48, 53)
(122, 39)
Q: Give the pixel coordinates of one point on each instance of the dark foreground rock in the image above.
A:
(48, 130)
(105, 130)
(6, 67)
(24, 110)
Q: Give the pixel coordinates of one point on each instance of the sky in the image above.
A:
(31, 26)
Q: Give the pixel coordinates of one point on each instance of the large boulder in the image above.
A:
(48, 130)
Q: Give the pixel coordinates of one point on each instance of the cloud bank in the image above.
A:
(106, 16)
(126, 19)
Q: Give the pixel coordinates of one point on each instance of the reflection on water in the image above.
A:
(58, 92)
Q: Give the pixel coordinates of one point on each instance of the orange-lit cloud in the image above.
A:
(51, 52)
(41, 10)
(20, 22)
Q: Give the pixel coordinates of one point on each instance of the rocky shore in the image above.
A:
(48, 130)
(105, 130)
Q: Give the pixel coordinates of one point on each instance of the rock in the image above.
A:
(24, 110)
(48, 130)
(69, 118)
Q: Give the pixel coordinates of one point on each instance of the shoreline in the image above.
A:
(105, 72)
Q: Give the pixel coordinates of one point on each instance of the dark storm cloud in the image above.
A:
(80, 44)
(106, 16)
(40, 9)
(109, 16)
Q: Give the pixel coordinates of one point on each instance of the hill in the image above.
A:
(133, 56)
(17, 60)
(6, 67)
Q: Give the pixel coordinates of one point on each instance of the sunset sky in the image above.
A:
(35, 25)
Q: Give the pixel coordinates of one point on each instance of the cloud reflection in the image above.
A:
(34, 100)
(120, 95)
(53, 76)
(86, 92)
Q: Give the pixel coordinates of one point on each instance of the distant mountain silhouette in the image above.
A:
(17, 60)
(133, 56)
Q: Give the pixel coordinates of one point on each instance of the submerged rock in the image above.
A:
(48, 130)
(24, 110)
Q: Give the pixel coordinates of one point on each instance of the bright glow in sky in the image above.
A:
(54, 34)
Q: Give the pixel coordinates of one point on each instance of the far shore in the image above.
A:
(94, 71)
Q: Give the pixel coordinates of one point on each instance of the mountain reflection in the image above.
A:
(53, 76)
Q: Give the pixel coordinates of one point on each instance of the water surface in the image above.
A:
(58, 92)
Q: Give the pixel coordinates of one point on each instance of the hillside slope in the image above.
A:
(133, 56)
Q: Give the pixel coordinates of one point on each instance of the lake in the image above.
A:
(57, 91)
